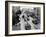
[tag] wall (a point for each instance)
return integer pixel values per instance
(2, 19)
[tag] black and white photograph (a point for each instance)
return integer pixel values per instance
(23, 18)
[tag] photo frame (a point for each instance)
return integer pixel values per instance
(24, 18)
